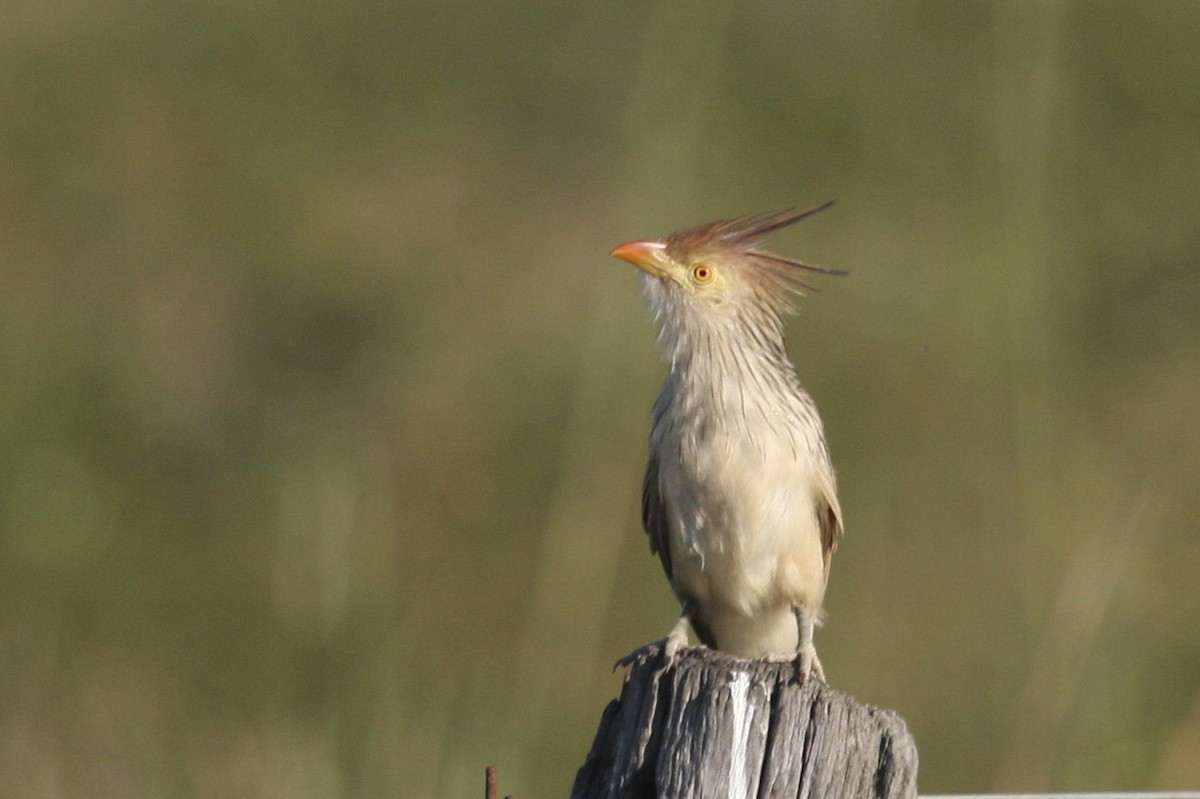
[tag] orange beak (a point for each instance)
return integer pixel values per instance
(646, 255)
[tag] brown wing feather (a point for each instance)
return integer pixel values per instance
(654, 519)
(654, 515)
(829, 516)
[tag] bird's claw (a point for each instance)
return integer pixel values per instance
(644, 652)
(669, 647)
(808, 664)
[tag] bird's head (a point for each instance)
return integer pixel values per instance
(719, 270)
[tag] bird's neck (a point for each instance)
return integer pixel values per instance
(725, 379)
(734, 350)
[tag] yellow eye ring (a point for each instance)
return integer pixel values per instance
(702, 273)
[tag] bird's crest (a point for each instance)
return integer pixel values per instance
(742, 238)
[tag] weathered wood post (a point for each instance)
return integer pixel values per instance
(711, 725)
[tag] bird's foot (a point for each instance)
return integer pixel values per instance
(675, 642)
(808, 664)
(644, 652)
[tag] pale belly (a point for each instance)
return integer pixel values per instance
(746, 544)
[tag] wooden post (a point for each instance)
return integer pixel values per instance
(711, 725)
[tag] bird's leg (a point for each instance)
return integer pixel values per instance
(670, 646)
(806, 654)
(677, 639)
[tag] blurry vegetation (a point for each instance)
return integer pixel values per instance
(323, 407)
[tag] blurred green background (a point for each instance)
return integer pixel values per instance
(324, 407)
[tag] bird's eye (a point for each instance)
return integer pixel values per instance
(702, 273)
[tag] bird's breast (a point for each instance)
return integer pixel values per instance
(742, 527)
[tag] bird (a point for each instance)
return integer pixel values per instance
(739, 498)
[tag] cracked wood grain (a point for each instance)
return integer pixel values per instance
(710, 725)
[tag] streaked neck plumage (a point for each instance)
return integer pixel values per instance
(731, 363)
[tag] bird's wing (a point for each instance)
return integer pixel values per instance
(829, 516)
(654, 514)
(654, 519)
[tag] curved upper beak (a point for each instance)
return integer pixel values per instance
(644, 255)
